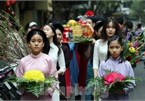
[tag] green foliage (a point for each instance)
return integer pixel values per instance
(100, 86)
(32, 86)
(138, 10)
(81, 39)
(137, 43)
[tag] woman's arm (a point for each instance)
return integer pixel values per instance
(130, 73)
(66, 52)
(61, 63)
(52, 72)
(20, 69)
(95, 59)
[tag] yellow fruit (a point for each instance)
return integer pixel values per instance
(72, 22)
(67, 25)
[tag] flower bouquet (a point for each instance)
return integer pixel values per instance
(109, 83)
(34, 81)
(78, 31)
(132, 49)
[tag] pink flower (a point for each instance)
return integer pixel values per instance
(15, 43)
(112, 77)
(13, 13)
(8, 37)
(3, 57)
(10, 24)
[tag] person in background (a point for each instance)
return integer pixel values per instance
(99, 19)
(91, 20)
(51, 21)
(137, 29)
(120, 21)
(83, 50)
(128, 33)
(110, 28)
(33, 25)
(56, 53)
(115, 62)
(97, 35)
(37, 60)
(27, 28)
(64, 79)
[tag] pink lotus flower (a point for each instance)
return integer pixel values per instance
(112, 77)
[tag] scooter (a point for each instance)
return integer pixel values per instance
(8, 90)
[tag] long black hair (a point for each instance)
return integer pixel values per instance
(116, 26)
(120, 41)
(46, 47)
(55, 40)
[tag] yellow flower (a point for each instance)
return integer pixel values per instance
(132, 49)
(36, 75)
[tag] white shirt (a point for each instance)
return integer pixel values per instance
(53, 52)
(100, 52)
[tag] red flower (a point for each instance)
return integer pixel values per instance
(80, 21)
(137, 60)
(112, 77)
(131, 44)
(89, 13)
(129, 58)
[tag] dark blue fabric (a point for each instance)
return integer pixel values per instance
(74, 70)
(90, 74)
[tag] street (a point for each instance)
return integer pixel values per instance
(138, 93)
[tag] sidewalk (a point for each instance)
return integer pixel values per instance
(139, 93)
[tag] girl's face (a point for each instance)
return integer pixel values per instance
(59, 35)
(98, 33)
(110, 29)
(135, 27)
(115, 49)
(89, 21)
(48, 31)
(36, 44)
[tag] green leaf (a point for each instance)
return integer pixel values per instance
(32, 86)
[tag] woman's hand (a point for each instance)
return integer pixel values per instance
(93, 41)
(60, 72)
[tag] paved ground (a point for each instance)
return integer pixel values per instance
(139, 92)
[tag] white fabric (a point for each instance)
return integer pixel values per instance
(53, 52)
(100, 52)
(57, 58)
(55, 96)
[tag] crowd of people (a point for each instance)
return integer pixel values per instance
(74, 64)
